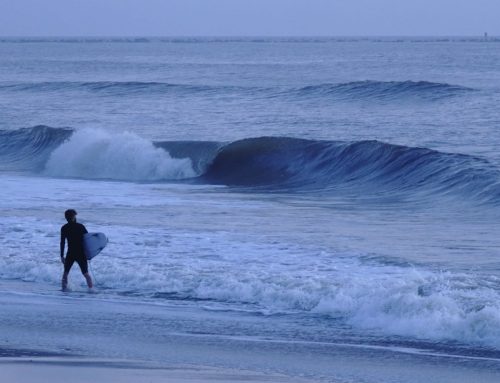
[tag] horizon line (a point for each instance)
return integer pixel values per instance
(243, 36)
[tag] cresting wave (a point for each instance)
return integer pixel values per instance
(89, 154)
(96, 154)
(350, 91)
(363, 169)
(370, 169)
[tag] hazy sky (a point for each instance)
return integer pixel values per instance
(248, 17)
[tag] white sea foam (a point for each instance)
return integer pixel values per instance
(198, 245)
(272, 278)
(97, 154)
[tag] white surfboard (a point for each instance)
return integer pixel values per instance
(93, 243)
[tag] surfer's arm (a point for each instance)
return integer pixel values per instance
(63, 241)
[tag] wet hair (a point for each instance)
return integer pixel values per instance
(69, 214)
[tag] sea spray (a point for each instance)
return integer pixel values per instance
(97, 154)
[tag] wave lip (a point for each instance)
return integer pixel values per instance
(381, 90)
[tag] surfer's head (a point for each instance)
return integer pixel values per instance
(70, 215)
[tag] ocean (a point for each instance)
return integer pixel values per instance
(328, 193)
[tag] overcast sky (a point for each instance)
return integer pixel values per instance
(248, 17)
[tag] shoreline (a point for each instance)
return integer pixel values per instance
(54, 337)
(38, 369)
(21, 365)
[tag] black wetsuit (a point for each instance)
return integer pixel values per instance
(74, 232)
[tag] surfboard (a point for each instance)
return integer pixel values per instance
(93, 243)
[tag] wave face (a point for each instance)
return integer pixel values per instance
(30, 148)
(351, 91)
(381, 90)
(362, 169)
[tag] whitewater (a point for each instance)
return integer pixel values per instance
(330, 198)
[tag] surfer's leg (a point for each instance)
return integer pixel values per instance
(89, 280)
(82, 262)
(68, 262)
(65, 281)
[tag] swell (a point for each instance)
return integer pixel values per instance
(381, 90)
(360, 169)
(349, 91)
(122, 87)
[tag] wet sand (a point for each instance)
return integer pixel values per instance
(60, 369)
(47, 336)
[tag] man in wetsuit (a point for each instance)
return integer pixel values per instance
(73, 232)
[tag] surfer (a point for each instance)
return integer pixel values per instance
(73, 232)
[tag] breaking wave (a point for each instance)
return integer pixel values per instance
(365, 169)
(96, 154)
